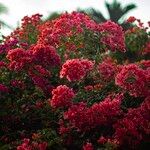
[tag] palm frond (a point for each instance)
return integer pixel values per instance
(128, 8)
(97, 15)
(116, 11)
(2, 23)
(94, 14)
(53, 15)
(3, 9)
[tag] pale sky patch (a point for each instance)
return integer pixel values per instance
(20, 8)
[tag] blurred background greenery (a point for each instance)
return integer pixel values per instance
(3, 10)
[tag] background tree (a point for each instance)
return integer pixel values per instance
(3, 10)
(115, 10)
(53, 15)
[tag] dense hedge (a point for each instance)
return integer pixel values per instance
(71, 84)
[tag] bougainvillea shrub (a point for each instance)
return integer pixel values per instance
(73, 84)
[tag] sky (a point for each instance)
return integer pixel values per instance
(20, 8)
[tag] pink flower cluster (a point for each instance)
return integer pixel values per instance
(7, 45)
(107, 70)
(59, 31)
(18, 84)
(66, 25)
(45, 55)
(62, 97)
(76, 69)
(131, 19)
(19, 59)
(113, 36)
(21, 35)
(41, 82)
(29, 145)
(42, 71)
(37, 55)
(134, 127)
(4, 88)
(2, 64)
(133, 79)
(145, 65)
(28, 27)
(146, 49)
(33, 20)
(88, 146)
(104, 113)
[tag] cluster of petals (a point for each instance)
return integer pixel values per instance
(42, 71)
(88, 146)
(65, 26)
(107, 70)
(131, 19)
(146, 50)
(34, 20)
(70, 25)
(62, 97)
(45, 55)
(19, 59)
(84, 118)
(145, 65)
(21, 35)
(107, 111)
(113, 36)
(42, 82)
(8, 44)
(3, 88)
(2, 64)
(37, 55)
(28, 27)
(18, 84)
(29, 145)
(134, 127)
(78, 117)
(133, 80)
(76, 69)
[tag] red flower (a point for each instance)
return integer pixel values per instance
(65, 26)
(19, 59)
(102, 140)
(76, 69)
(106, 112)
(134, 127)
(83, 118)
(133, 79)
(41, 82)
(88, 146)
(113, 36)
(42, 71)
(87, 64)
(88, 88)
(62, 97)
(18, 84)
(77, 117)
(29, 145)
(16, 54)
(131, 19)
(4, 88)
(2, 64)
(146, 49)
(107, 70)
(45, 56)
